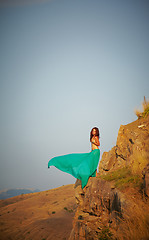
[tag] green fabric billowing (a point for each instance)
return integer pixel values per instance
(79, 165)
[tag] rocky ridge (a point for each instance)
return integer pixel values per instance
(108, 205)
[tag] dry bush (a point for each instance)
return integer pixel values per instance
(145, 109)
(135, 225)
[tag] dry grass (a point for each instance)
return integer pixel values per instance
(135, 225)
(145, 109)
(123, 178)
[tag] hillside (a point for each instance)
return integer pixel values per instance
(43, 215)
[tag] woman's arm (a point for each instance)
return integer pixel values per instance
(95, 140)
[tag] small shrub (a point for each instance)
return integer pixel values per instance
(145, 109)
(105, 234)
(69, 210)
(53, 212)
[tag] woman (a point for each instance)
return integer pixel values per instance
(94, 138)
(80, 165)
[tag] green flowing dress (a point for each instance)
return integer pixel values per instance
(80, 165)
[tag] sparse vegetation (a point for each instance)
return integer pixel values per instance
(69, 210)
(105, 234)
(145, 109)
(123, 177)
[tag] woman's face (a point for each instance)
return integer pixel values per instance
(94, 131)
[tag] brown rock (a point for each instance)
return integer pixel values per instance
(132, 148)
(108, 160)
(102, 206)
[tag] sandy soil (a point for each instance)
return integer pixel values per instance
(44, 215)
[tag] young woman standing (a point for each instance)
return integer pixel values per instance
(80, 165)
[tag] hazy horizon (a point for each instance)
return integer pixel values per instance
(65, 67)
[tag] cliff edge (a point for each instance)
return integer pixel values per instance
(114, 205)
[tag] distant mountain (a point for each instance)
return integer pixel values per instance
(16, 192)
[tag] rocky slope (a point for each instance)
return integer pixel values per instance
(43, 215)
(114, 205)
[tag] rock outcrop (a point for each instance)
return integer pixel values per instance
(100, 205)
(132, 148)
(102, 208)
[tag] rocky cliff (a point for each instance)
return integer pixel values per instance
(114, 205)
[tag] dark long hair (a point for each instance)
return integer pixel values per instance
(96, 134)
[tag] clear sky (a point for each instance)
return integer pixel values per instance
(65, 67)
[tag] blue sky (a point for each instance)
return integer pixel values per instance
(65, 67)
